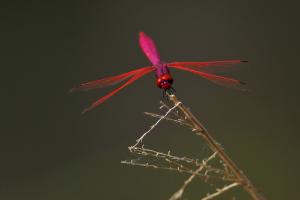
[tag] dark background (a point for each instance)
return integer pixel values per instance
(50, 151)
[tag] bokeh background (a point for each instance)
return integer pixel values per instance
(50, 151)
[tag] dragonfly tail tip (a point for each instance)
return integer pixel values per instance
(242, 82)
(245, 61)
(84, 111)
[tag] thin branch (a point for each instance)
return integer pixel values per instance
(177, 195)
(202, 176)
(150, 152)
(179, 163)
(156, 123)
(226, 170)
(220, 191)
(178, 121)
(215, 147)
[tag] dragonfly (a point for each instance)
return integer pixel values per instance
(164, 80)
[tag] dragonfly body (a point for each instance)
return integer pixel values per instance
(164, 79)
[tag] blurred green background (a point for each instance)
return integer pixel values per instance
(50, 151)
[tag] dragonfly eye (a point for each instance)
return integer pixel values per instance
(167, 78)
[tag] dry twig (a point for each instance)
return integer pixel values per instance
(177, 195)
(228, 171)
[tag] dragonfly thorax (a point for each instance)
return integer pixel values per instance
(165, 81)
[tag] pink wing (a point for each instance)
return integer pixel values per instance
(149, 48)
(106, 81)
(210, 66)
(139, 74)
(220, 80)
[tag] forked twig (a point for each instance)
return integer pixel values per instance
(215, 147)
(179, 164)
(227, 172)
(156, 123)
(220, 191)
(178, 121)
(177, 195)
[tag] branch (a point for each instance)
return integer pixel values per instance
(220, 191)
(156, 123)
(177, 195)
(177, 163)
(215, 147)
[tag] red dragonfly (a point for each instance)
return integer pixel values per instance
(164, 79)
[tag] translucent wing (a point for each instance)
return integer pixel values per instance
(136, 76)
(106, 81)
(220, 80)
(210, 66)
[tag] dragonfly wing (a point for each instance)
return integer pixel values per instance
(210, 66)
(149, 48)
(141, 73)
(220, 80)
(106, 81)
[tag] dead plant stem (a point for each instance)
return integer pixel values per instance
(215, 147)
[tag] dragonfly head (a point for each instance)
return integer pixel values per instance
(165, 81)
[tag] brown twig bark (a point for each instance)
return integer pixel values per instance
(215, 147)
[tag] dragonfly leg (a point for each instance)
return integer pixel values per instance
(170, 91)
(166, 93)
(165, 98)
